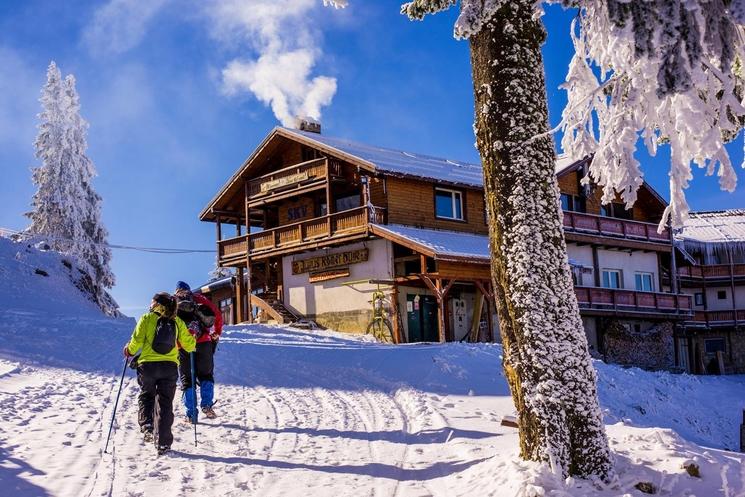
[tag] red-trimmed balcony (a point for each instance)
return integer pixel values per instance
(713, 271)
(718, 318)
(622, 229)
(613, 301)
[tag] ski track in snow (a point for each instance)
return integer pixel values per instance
(313, 415)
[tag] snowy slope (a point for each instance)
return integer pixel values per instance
(324, 414)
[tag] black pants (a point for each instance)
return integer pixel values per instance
(157, 388)
(203, 362)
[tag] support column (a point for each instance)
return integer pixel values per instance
(239, 295)
(394, 312)
(596, 265)
(249, 289)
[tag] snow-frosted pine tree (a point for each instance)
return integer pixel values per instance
(219, 272)
(546, 358)
(66, 209)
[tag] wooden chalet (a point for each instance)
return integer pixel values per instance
(320, 223)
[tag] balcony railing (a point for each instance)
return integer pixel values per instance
(336, 225)
(612, 299)
(714, 271)
(719, 317)
(610, 226)
(293, 176)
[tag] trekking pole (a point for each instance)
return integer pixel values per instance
(116, 402)
(194, 396)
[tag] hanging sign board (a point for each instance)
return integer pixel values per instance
(283, 181)
(331, 274)
(316, 264)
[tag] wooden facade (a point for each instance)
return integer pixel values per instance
(298, 195)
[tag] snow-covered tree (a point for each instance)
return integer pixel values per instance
(66, 210)
(670, 70)
(219, 272)
(667, 71)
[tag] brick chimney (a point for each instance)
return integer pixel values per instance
(308, 124)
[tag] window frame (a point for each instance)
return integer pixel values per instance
(642, 274)
(715, 339)
(461, 195)
(619, 272)
(698, 298)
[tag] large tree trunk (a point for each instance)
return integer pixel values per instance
(546, 359)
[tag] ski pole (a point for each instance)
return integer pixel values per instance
(116, 402)
(194, 397)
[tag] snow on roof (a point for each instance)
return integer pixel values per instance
(411, 164)
(714, 227)
(444, 244)
(404, 163)
(563, 162)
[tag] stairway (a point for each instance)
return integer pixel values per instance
(274, 308)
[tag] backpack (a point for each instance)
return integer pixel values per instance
(164, 340)
(205, 315)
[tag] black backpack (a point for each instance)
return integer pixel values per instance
(164, 340)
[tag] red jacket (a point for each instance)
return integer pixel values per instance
(201, 299)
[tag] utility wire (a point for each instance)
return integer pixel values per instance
(152, 250)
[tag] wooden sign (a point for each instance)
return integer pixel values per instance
(316, 264)
(283, 181)
(331, 274)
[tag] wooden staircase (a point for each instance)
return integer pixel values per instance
(274, 308)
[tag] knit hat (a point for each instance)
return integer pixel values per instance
(182, 286)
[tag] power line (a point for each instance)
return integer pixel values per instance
(152, 250)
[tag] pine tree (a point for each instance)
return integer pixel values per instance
(219, 272)
(66, 209)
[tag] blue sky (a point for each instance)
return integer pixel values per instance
(167, 128)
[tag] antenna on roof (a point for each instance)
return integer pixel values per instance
(307, 124)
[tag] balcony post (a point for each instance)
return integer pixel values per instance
(673, 261)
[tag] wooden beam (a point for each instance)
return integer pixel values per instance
(239, 296)
(397, 336)
(441, 323)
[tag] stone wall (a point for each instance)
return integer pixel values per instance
(734, 355)
(347, 321)
(650, 349)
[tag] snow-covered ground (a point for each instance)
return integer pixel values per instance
(321, 414)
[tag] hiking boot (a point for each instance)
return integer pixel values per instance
(147, 433)
(209, 412)
(188, 420)
(163, 449)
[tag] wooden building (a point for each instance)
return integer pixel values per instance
(320, 223)
(711, 269)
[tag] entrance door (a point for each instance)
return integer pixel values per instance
(421, 314)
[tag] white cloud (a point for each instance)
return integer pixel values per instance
(120, 25)
(286, 49)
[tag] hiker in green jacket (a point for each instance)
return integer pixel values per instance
(158, 335)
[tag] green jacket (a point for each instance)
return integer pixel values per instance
(142, 338)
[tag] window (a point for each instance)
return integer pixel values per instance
(449, 204)
(611, 278)
(714, 345)
(574, 203)
(616, 210)
(722, 295)
(698, 298)
(644, 282)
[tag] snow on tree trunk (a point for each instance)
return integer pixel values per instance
(66, 211)
(546, 357)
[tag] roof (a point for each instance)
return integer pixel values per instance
(440, 244)
(399, 162)
(714, 227)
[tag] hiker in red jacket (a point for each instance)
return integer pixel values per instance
(205, 323)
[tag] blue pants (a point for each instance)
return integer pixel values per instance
(204, 365)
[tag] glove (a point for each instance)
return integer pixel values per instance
(126, 351)
(215, 337)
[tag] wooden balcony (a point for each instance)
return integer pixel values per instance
(718, 318)
(612, 301)
(634, 233)
(293, 180)
(713, 272)
(325, 230)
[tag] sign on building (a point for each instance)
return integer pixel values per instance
(322, 263)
